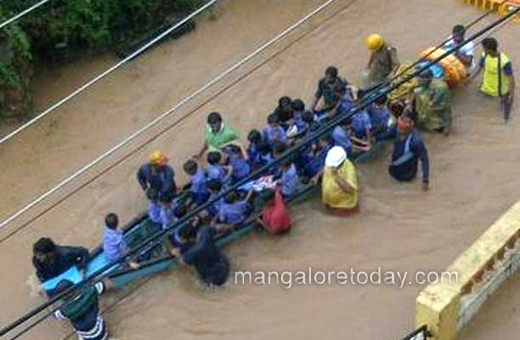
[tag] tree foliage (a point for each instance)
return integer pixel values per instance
(61, 29)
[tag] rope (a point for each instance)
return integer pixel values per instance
(106, 73)
(311, 138)
(164, 115)
(25, 12)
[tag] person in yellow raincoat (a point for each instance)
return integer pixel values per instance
(339, 183)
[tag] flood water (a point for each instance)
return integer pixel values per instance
(400, 228)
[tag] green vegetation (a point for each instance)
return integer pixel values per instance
(63, 29)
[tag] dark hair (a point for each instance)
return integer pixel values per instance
(111, 221)
(152, 194)
(490, 44)
(308, 117)
(264, 148)
(315, 126)
(190, 167)
(214, 157)
(326, 138)
(214, 118)
(188, 232)
(267, 195)
(166, 197)
(284, 101)
(215, 185)
(426, 74)
(298, 105)
(254, 136)
(279, 147)
(231, 197)
(331, 71)
(235, 149)
(381, 100)
(286, 163)
(459, 30)
(273, 119)
(44, 245)
(180, 211)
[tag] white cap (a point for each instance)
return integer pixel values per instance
(336, 156)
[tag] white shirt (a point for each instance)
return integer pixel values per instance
(467, 50)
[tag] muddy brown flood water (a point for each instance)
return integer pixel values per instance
(474, 178)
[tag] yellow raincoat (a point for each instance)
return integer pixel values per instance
(332, 194)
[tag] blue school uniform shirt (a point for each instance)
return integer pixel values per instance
(341, 138)
(114, 244)
(317, 162)
(379, 117)
(273, 170)
(198, 183)
(360, 123)
(154, 211)
(239, 167)
(216, 172)
(233, 213)
(290, 182)
(345, 105)
(214, 208)
(167, 217)
(271, 135)
(253, 155)
(300, 123)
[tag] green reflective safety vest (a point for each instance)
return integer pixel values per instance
(491, 76)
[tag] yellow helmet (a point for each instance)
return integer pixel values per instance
(158, 158)
(375, 42)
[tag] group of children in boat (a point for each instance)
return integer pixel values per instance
(328, 160)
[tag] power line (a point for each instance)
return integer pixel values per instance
(311, 138)
(23, 13)
(171, 126)
(164, 115)
(106, 73)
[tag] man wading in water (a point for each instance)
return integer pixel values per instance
(409, 149)
(498, 79)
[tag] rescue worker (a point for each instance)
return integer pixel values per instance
(211, 264)
(339, 183)
(82, 309)
(51, 260)
(409, 149)
(382, 64)
(217, 134)
(327, 90)
(432, 103)
(157, 174)
(497, 83)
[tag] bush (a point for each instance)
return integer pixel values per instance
(15, 71)
(61, 29)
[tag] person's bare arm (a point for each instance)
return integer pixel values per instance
(512, 85)
(109, 285)
(347, 188)
(474, 75)
(201, 152)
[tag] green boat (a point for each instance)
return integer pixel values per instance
(156, 258)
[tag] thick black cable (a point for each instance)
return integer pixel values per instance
(321, 132)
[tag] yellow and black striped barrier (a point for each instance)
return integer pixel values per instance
(499, 6)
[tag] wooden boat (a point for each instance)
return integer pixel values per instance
(155, 258)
